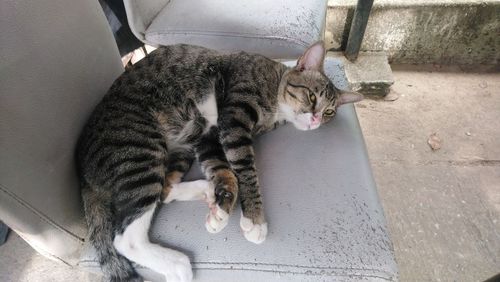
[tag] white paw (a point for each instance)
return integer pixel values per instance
(179, 270)
(217, 219)
(255, 233)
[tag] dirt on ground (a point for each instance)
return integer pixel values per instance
(435, 152)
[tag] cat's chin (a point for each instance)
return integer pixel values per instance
(304, 127)
(303, 122)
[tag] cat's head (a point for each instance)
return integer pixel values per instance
(308, 97)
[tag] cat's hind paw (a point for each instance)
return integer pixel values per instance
(255, 233)
(179, 270)
(191, 191)
(217, 219)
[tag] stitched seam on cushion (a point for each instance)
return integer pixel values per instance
(216, 32)
(229, 34)
(302, 273)
(231, 265)
(288, 265)
(388, 274)
(388, 278)
(41, 215)
(275, 264)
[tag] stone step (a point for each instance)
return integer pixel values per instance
(370, 74)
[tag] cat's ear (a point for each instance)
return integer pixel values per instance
(313, 58)
(347, 97)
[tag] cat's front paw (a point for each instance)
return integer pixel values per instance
(253, 232)
(217, 219)
(179, 269)
(225, 194)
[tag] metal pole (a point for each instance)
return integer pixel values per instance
(4, 231)
(358, 27)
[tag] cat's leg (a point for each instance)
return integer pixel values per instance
(135, 245)
(179, 162)
(225, 184)
(191, 191)
(236, 139)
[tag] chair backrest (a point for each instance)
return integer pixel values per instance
(277, 29)
(57, 59)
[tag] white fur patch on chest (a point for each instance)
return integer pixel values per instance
(208, 109)
(285, 112)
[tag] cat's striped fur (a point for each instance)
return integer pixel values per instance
(180, 103)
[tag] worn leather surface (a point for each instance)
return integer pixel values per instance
(325, 220)
(277, 29)
(58, 59)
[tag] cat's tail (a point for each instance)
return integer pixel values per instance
(116, 267)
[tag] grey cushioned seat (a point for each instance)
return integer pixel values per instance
(325, 221)
(277, 29)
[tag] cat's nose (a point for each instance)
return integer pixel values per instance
(315, 119)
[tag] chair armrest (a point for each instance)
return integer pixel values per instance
(54, 70)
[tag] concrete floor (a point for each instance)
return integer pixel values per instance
(442, 207)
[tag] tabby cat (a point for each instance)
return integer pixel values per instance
(180, 103)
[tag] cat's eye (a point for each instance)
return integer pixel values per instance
(312, 97)
(329, 112)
